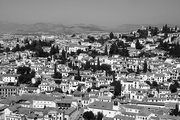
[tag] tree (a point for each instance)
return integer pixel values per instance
(52, 51)
(175, 51)
(79, 88)
(57, 49)
(26, 75)
(78, 74)
(175, 112)
(73, 35)
(58, 75)
(105, 50)
(58, 90)
(113, 49)
(149, 68)
(89, 90)
(114, 78)
(89, 115)
(67, 92)
(149, 83)
(78, 77)
(173, 88)
(165, 30)
(63, 54)
(98, 64)
(124, 52)
(91, 39)
(138, 45)
(120, 44)
(94, 67)
(23, 70)
(154, 84)
(10, 84)
(7, 49)
(33, 73)
(94, 53)
(145, 66)
(106, 67)
(137, 71)
(154, 31)
(111, 35)
(39, 52)
(117, 87)
(55, 69)
(169, 80)
(99, 116)
(57, 81)
(143, 33)
(87, 65)
(79, 51)
(150, 95)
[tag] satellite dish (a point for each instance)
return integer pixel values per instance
(33, 80)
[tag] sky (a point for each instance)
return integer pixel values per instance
(109, 13)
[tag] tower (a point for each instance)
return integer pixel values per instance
(116, 104)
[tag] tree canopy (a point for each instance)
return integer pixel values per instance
(89, 115)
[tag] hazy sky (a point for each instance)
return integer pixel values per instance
(99, 12)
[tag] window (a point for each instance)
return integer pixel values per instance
(115, 103)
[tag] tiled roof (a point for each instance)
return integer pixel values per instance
(101, 105)
(144, 112)
(133, 107)
(123, 117)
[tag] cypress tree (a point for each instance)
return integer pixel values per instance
(145, 66)
(78, 72)
(63, 54)
(98, 64)
(105, 50)
(137, 71)
(94, 68)
(138, 45)
(55, 69)
(176, 110)
(114, 78)
(111, 35)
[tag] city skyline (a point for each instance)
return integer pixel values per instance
(100, 12)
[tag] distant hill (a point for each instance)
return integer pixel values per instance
(131, 27)
(12, 28)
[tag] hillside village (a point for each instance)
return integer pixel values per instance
(95, 76)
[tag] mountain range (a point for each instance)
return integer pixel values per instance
(15, 28)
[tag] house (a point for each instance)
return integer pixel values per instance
(78, 95)
(66, 103)
(168, 117)
(85, 101)
(70, 113)
(160, 77)
(144, 115)
(6, 91)
(132, 108)
(10, 78)
(41, 101)
(25, 90)
(47, 86)
(74, 47)
(121, 117)
(12, 112)
(65, 87)
(107, 108)
(150, 46)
